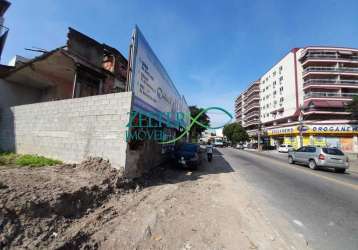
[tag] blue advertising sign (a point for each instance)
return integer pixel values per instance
(153, 90)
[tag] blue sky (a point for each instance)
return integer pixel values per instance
(211, 49)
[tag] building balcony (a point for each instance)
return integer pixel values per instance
(329, 57)
(252, 114)
(253, 99)
(327, 82)
(251, 108)
(252, 122)
(330, 95)
(330, 70)
(238, 100)
(238, 107)
(252, 91)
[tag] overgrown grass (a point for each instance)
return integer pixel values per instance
(7, 158)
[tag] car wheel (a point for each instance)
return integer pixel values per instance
(340, 170)
(312, 164)
(290, 160)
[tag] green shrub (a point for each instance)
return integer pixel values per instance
(35, 161)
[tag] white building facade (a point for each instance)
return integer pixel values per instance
(303, 98)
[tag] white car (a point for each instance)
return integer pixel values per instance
(284, 148)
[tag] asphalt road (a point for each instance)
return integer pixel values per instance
(321, 206)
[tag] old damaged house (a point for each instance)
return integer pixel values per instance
(70, 103)
(82, 68)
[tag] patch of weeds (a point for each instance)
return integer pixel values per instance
(7, 158)
(35, 161)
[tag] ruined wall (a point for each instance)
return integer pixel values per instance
(69, 130)
(144, 158)
(15, 94)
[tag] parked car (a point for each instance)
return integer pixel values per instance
(284, 148)
(252, 146)
(188, 155)
(240, 146)
(320, 157)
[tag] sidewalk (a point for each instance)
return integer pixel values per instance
(353, 164)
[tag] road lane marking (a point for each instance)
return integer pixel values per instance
(298, 223)
(353, 186)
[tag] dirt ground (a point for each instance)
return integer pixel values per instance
(91, 206)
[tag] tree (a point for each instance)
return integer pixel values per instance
(203, 119)
(353, 107)
(235, 133)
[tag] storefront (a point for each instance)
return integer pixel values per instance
(342, 136)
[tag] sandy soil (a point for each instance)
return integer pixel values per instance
(91, 206)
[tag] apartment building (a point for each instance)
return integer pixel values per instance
(303, 98)
(238, 109)
(247, 108)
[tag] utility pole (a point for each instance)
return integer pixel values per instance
(259, 137)
(300, 119)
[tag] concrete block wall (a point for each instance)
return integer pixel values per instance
(69, 130)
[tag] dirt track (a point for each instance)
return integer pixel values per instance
(90, 207)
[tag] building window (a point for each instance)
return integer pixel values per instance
(281, 78)
(281, 89)
(274, 93)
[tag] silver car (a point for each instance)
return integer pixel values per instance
(319, 157)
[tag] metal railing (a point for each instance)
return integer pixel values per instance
(251, 107)
(330, 56)
(252, 114)
(330, 69)
(329, 82)
(252, 122)
(254, 98)
(251, 91)
(330, 95)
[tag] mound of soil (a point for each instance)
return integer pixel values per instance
(38, 204)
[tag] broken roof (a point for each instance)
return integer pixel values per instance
(60, 64)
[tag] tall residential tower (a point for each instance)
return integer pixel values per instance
(303, 99)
